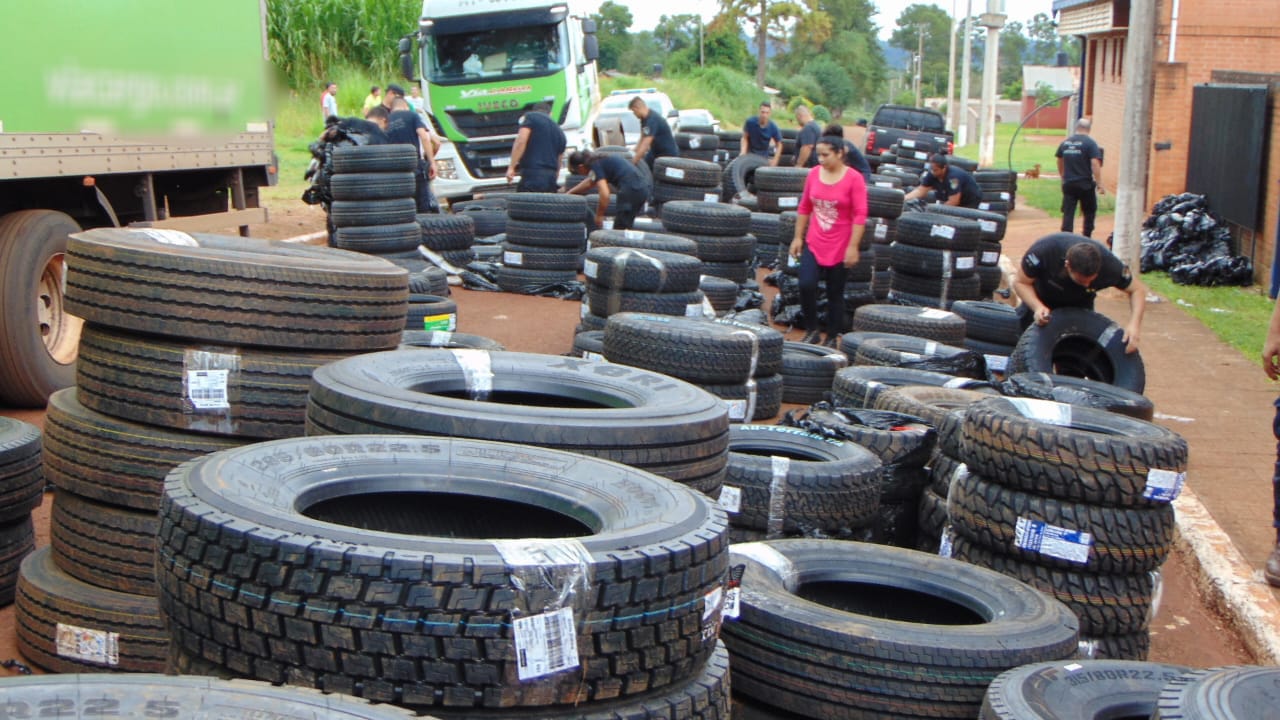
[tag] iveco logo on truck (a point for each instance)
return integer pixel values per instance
(485, 92)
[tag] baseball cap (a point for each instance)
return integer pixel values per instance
(396, 89)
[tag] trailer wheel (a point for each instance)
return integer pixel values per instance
(38, 339)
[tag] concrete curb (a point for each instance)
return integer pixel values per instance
(1230, 585)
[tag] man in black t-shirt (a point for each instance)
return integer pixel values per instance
(406, 127)
(656, 139)
(604, 170)
(950, 185)
(537, 150)
(1065, 270)
(1080, 166)
(807, 140)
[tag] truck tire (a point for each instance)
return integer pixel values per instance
(738, 272)
(374, 158)
(378, 238)
(990, 321)
(930, 324)
(546, 233)
(448, 341)
(724, 248)
(755, 400)
(642, 240)
(1134, 647)
(372, 186)
(739, 175)
(644, 270)
(431, 313)
(360, 213)
(611, 301)
(527, 282)
(685, 172)
(104, 545)
(694, 350)
(941, 232)
(941, 407)
(807, 640)
(38, 337)
(17, 540)
(442, 232)
(403, 528)
(808, 371)
(992, 225)
(239, 291)
(883, 202)
(1083, 690)
(722, 293)
(907, 289)
(931, 262)
(534, 257)
(429, 281)
(1224, 692)
(628, 415)
(546, 207)
(64, 625)
(1081, 392)
(1082, 343)
(922, 354)
(701, 218)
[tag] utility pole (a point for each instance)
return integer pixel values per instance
(993, 19)
(702, 53)
(963, 137)
(919, 65)
(1135, 146)
(951, 72)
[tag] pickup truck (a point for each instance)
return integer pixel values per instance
(920, 129)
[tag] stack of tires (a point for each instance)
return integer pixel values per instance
(913, 154)
(624, 279)
(488, 216)
(783, 481)
(928, 323)
(849, 630)
(22, 489)
(884, 206)
(987, 252)
(779, 188)
(771, 246)
(808, 371)
(909, 177)
(737, 362)
(933, 260)
(698, 142)
(373, 207)
(721, 232)
(1074, 501)
(999, 190)
(452, 236)
(990, 328)
(789, 138)
(730, 144)
(676, 178)
(374, 571)
(545, 239)
(645, 242)
(192, 344)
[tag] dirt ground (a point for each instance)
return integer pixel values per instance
(1224, 466)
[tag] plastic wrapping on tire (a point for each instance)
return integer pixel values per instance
(562, 566)
(477, 371)
(209, 382)
(781, 466)
(837, 421)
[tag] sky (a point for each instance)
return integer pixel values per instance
(646, 13)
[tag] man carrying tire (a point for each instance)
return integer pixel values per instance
(1065, 270)
(656, 139)
(950, 185)
(758, 133)
(537, 150)
(1080, 166)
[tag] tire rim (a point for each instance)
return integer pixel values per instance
(59, 330)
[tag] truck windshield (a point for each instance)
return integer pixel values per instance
(496, 54)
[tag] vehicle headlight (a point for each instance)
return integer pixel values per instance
(446, 170)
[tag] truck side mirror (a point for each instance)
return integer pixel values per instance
(591, 48)
(406, 57)
(588, 26)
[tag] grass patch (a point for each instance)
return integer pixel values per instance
(731, 96)
(1237, 315)
(1046, 194)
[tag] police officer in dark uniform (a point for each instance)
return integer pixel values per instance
(1080, 166)
(950, 185)
(604, 170)
(1065, 270)
(852, 156)
(537, 150)
(656, 139)
(404, 126)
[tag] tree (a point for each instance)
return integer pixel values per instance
(1013, 47)
(722, 45)
(677, 31)
(835, 88)
(769, 18)
(612, 25)
(934, 25)
(852, 44)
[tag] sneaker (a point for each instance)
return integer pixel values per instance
(1272, 569)
(832, 341)
(813, 337)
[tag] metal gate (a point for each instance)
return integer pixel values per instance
(1228, 145)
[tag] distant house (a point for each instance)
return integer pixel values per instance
(1060, 81)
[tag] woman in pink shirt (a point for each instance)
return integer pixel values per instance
(830, 221)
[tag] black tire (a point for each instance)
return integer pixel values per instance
(942, 232)
(781, 180)
(589, 344)
(828, 486)
(448, 341)
(701, 138)
(611, 301)
(989, 280)
(739, 175)
(442, 232)
(458, 258)
(1122, 541)
(932, 520)
(49, 598)
(379, 238)
(591, 321)
(1224, 692)
(990, 350)
(774, 202)
(965, 164)
(930, 324)
(882, 232)
(22, 479)
(720, 292)
(534, 257)
(756, 400)
(804, 641)
(686, 172)
(546, 207)
(933, 291)
(372, 186)
(769, 345)
(487, 220)
(547, 234)
(643, 270)
(359, 213)
(638, 538)
(941, 407)
(694, 350)
(431, 313)
(104, 545)
(1135, 647)
(922, 354)
(38, 335)
(17, 540)
(988, 254)
(1074, 453)
(235, 290)
(885, 181)
(1105, 604)
(808, 372)
(527, 282)
(991, 321)
(992, 225)
(643, 241)
(1081, 392)
(374, 158)
(703, 218)
(884, 202)
(1081, 691)
(633, 416)
(767, 229)
(115, 461)
(859, 386)
(724, 249)
(664, 193)
(931, 262)
(1081, 343)
(900, 441)
(429, 281)
(738, 272)
(148, 379)
(995, 206)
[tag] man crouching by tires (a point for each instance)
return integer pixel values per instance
(1065, 270)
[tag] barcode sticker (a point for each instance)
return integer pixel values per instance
(964, 262)
(545, 644)
(712, 612)
(693, 310)
(788, 202)
(1163, 485)
(1045, 411)
(990, 258)
(988, 226)
(676, 173)
(207, 389)
(998, 363)
(931, 348)
(512, 258)
(882, 231)
(590, 268)
(633, 234)
(1058, 542)
(732, 603)
(943, 231)
(96, 646)
(447, 322)
(730, 498)
(710, 197)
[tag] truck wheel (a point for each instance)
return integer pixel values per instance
(38, 339)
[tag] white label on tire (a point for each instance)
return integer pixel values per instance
(931, 348)
(512, 258)
(710, 197)
(96, 646)
(944, 545)
(934, 314)
(884, 184)
(990, 257)
(907, 143)
(943, 231)
(882, 231)
(920, 155)
(439, 339)
(585, 310)
(1045, 411)
(169, 237)
(1058, 542)
(207, 389)
(633, 234)
(730, 498)
(910, 357)
(964, 262)
(545, 643)
(999, 363)
(588, 355)
(737, 410)
(766, 556)
(695, 310)
(590, 268)
(732, 603)
(988, 226)
(959, 382)
(676, 173)
(695, 142)
(984, 206)
(1108, 335)
(1004, 196)
(608, 224)
(1164, 485)
(788, 202)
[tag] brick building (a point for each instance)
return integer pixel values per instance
(1210, 41)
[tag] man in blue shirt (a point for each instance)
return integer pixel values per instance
(951, 185)
(853, 157)
(536, 151)
(758, 132)
(807, 140)
(656, 139)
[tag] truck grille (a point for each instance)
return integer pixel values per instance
(473, 124)
(478, 157)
